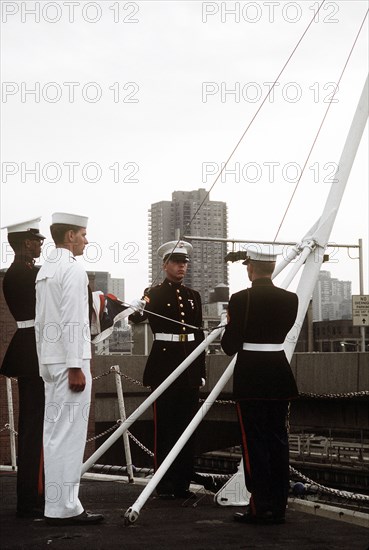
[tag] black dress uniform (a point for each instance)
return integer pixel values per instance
(21, 361)
(263, 384)
(174, 409)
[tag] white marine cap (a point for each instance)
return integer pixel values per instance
(69, 219)
(261, 252)
(175, 251)
(28, 227)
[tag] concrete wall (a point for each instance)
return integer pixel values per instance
(316, 373)
(331, 372)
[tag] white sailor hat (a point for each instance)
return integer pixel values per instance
(69, 219)
(176, 251)
(28, 228)
(261, 252)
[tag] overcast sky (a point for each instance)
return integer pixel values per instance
(133, 100)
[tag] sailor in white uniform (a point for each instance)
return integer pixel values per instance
(64, 352)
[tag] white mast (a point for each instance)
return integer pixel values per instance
(316, 240)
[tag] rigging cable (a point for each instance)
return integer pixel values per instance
(225, 164)
(320, 127)
(255, 115)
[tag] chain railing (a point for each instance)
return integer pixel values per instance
(322, 488)
(329, 490)
(139, 444)
(302, 395)
(347, 395)
(108, 431)
(10, 430)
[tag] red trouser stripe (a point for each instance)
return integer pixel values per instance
(245, 453)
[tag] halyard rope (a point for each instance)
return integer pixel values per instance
(320, 127)
(225, 164)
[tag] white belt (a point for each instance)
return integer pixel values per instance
(26, 324)
(174, 337)
(262, 347)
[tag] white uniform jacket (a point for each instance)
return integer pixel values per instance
(62, 323)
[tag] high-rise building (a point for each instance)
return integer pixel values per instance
(331, 298)
(108, 284)
(191, 213)
(116, 287)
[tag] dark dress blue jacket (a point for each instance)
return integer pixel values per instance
(19, 291)
(180, 303)
(271, 314)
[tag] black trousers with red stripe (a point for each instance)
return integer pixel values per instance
(173, 411)
(30, 489)
(264, 435)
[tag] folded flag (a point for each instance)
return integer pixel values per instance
(107, 310)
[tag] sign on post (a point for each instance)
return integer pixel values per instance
(360, 310)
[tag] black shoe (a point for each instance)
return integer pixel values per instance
(262, 519)
(185, 493)
(31, 513)
(82, 519)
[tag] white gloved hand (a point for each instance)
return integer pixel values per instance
(138, 305)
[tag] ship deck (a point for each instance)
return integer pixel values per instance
(162, 524)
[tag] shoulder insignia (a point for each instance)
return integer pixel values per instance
(148, 291)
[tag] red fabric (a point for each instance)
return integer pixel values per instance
(245, 454)
(112, 297)
(102, 305)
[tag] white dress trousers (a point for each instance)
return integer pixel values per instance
(65, 432)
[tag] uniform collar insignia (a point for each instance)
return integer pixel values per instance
(171, 283)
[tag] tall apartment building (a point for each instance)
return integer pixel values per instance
(108, 284)
(331, 298)
(116, 287)
(207, 267)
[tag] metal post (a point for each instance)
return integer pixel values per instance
(150, 400)
(132, 513)
(361, 280)
(9, 393)
(122, 412)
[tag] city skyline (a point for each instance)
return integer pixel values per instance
(331, 298)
